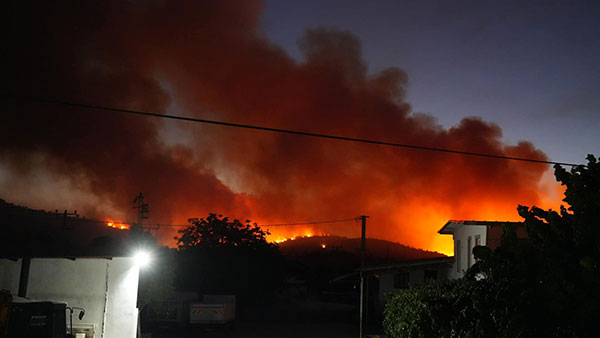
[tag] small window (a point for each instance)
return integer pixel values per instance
(469, 251)
(401, 280)
(477, 240)
(431, 275)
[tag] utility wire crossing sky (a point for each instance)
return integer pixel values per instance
(287, 131)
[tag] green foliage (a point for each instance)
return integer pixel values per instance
(442, 308)
(547, 285)
(422, 311)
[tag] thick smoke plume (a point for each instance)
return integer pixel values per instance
(208, 59)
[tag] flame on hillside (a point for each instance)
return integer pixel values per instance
(283, 236)
(117, 225)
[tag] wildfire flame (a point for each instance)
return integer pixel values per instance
(283, 236)
(117, 225)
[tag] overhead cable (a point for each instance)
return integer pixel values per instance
(287, 131)
(308, 223)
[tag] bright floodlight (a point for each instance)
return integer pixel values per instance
(142, 258)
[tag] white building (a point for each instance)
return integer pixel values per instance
(468, 234)
(106, 287)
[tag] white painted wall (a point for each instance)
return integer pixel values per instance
(121, 311)
(462, 234)
(105, 288)
(76, 282)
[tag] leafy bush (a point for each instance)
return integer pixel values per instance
(547, 285)
(435, 309)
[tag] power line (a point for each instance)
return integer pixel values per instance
(260, 225)
(172, 225)
(160, 225)
(130, 223)
(287, 131)
(308, 223)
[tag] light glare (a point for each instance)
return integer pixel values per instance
(142, 258)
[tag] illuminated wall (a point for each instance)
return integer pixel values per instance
(465, 239)
(105, 288)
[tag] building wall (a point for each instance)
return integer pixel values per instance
(121, 312)
(461, 247)
(105, 288)
(416, 276)
(9, 275)
(78, 283)
(386, 285)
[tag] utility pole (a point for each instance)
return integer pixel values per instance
(24, 276)
(66, 215)
(363, 251)
(142, 212)
(363, 240)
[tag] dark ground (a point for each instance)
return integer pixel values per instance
(307, 318)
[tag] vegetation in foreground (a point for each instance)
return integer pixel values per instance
(547, 285)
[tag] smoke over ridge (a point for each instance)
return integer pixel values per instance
(208, 59)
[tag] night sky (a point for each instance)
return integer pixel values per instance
(532, 67)
(503, 78)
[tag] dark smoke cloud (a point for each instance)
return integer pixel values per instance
(215, 63)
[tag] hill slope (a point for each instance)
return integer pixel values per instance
(378, 250)
(25, 231)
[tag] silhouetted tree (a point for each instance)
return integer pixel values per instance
(217, 231)
(217, 255)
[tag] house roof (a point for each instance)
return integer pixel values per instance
(416, 263)
(409, 264)
(452, 225)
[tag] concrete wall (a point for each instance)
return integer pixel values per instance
(106, 289)
(386, 285)
(121, 312)
(461, 256)
(9, 275)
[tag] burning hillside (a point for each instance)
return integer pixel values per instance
(117, 225)
(378, 251)
(208, 59)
